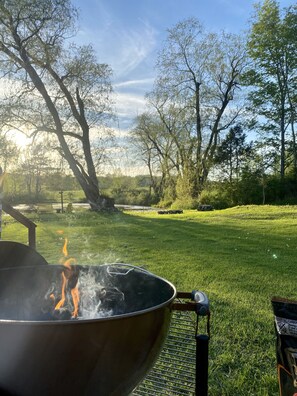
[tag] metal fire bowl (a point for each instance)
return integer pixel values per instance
(105, 356)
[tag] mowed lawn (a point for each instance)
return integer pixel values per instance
(240, 257)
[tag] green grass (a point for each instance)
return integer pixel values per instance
(240, 257)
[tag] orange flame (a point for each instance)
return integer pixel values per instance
(64, 250)
(63, 297)
(66, 276)
(75, 299)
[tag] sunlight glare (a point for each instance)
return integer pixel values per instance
(21, 140)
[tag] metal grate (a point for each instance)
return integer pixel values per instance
(174, 371)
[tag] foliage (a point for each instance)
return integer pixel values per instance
(281, 191)
(186, 202)
(192, 125)
(190, 105)
(56, 90)
(216, 195)
(9, 151)
(272, 46)
(233, 154)
(239, 257)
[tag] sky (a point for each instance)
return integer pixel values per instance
(128, 34)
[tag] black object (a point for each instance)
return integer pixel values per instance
(15, 254)
(103, 356)
(205, 208)
(43, 354)
(182, 366)
(202, 341)
(285, 315)
(171, 211)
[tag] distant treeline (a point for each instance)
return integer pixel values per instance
(34, 188)
(251, 188)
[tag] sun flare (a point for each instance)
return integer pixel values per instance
(21, 140)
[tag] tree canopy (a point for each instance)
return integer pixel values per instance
(198, 80)
(272, 46)
(56, 87)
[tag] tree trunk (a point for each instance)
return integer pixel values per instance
(88, 183)
(283, 148)
(86, 177)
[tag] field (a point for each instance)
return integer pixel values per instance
(240, 257)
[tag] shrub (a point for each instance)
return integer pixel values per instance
(165, 203)
(185, 203)
(216, 197)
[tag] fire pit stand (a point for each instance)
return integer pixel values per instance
(182, 366)
(39, 354)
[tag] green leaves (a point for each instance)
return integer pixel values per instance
(272, 46)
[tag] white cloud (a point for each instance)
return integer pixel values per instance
(133, 47)
(130, 105)
(133, 83)
(124, 49)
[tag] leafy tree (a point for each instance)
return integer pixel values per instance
(58, 90)
(272, 46)
(8, 152)
(198, 80)
(34, 166)
(233, 153)
(155, 146)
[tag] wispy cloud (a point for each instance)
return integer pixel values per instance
(133, 83)
(122, 47)
(133, 47)
(127, 107)
(128, 104)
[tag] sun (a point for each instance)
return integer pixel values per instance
(20, 139)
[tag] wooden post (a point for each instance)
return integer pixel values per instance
(62, 201)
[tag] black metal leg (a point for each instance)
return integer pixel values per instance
(202, 341)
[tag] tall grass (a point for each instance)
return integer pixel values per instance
(240, 257)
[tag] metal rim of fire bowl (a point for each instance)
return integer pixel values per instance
(78, 322)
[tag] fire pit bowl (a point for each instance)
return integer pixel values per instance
(123, 318)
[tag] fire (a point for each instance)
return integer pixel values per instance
(69, 278)
(64, 250)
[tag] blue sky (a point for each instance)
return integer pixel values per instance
(127, 34)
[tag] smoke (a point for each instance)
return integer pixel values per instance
(97, 300)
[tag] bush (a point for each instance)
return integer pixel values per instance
(216, 197)
(165, 203)
(185, 203)
(132, 197)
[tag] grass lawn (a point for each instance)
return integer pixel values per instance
(240, 257)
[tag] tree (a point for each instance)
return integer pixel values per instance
(34, 165)
(8, 152)
(61, 91)
(272, 46)
(233, 153)
(194, 97)
(156, 150)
